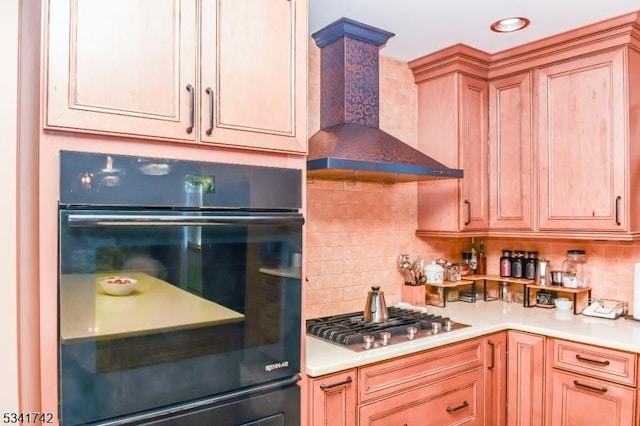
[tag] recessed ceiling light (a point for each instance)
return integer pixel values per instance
(509, 25)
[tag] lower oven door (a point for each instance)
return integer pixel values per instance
(215, 308)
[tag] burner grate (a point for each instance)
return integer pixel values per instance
(349, 329)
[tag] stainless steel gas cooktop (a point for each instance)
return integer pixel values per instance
(351, 331)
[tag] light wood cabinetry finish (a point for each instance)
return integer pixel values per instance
(452, 128)
(446, 385)
(453, 401)
(582, 139)
(511, 155)
(333, 399)
(590, 385)
(564, 142)
(226, 72)
(495, 365)
(525, 379)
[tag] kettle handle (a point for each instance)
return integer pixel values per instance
(374, 298)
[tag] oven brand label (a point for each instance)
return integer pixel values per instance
(277, 365)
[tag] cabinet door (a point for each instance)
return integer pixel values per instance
(581, 140)
(495, 368)
(525, 379)
(253, 73)
(580, 400)
(121, 66)
(452, 128)
(474, 147)
(333, 399)
(454, 401)
(511, 173)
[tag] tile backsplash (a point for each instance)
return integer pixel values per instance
(355, 231)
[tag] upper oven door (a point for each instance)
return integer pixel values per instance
(216, 307)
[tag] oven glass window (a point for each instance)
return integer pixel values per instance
(166, 307)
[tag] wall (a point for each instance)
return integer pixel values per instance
(356, 231)
(8, 187)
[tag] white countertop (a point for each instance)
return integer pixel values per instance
(484, 317)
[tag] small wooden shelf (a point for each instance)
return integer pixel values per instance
(497, 278)
(555, 289)
(446, 286)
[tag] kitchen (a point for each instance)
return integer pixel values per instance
(344, 256)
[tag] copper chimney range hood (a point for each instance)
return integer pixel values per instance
(350, 145)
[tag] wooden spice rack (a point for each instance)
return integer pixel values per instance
(529, 290)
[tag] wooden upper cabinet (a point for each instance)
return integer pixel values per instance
(511, 174)
(119, 66)
(452, 128)
(582, 143)
(226, 72)
(253, 73)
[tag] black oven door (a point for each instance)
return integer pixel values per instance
(214, 307)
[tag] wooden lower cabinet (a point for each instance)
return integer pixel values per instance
(452, 401)
(525, 379)
(580, 400)
(442, 386)
(333, 399)
(495, 385)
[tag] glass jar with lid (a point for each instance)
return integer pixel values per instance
(573, 269)
(517, 264)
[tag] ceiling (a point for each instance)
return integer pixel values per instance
(425, 26)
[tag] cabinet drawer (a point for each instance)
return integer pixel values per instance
(578, 400)
(401, 374)
(453, 401)
(603, 363)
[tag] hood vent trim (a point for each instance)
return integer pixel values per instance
(350, 145)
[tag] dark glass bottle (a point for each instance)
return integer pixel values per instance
(517, 264)
(505, 263)
(482, 260)
(530, 265)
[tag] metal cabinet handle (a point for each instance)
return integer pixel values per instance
(468, 221)
(464, 404)
(593, 361)
(618, 198)
(335, 385)
(591, 388)
(210, 93)
(493, 355)
(192, 100)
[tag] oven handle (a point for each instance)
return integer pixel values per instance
(94, 220)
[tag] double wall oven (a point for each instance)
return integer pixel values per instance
(211, 332)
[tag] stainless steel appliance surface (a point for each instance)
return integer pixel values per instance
(210, 331)
(353, 332)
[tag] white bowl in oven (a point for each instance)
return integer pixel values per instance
(120, 285)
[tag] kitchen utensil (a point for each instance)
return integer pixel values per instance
(543, 277)
(556, 277)
(375, 310)
(563, 303)
(118, 285)
(545, 299)
(434, 273)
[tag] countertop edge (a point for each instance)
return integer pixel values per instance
(327, 358)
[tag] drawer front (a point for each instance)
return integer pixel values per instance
(386, 378)
(603, 363)
(582, 401)
(456, 400)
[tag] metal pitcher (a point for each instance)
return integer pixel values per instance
(375, 310)
(543, 276)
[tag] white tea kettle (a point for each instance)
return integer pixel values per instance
(375, 310)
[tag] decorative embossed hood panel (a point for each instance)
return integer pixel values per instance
(349, 144)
